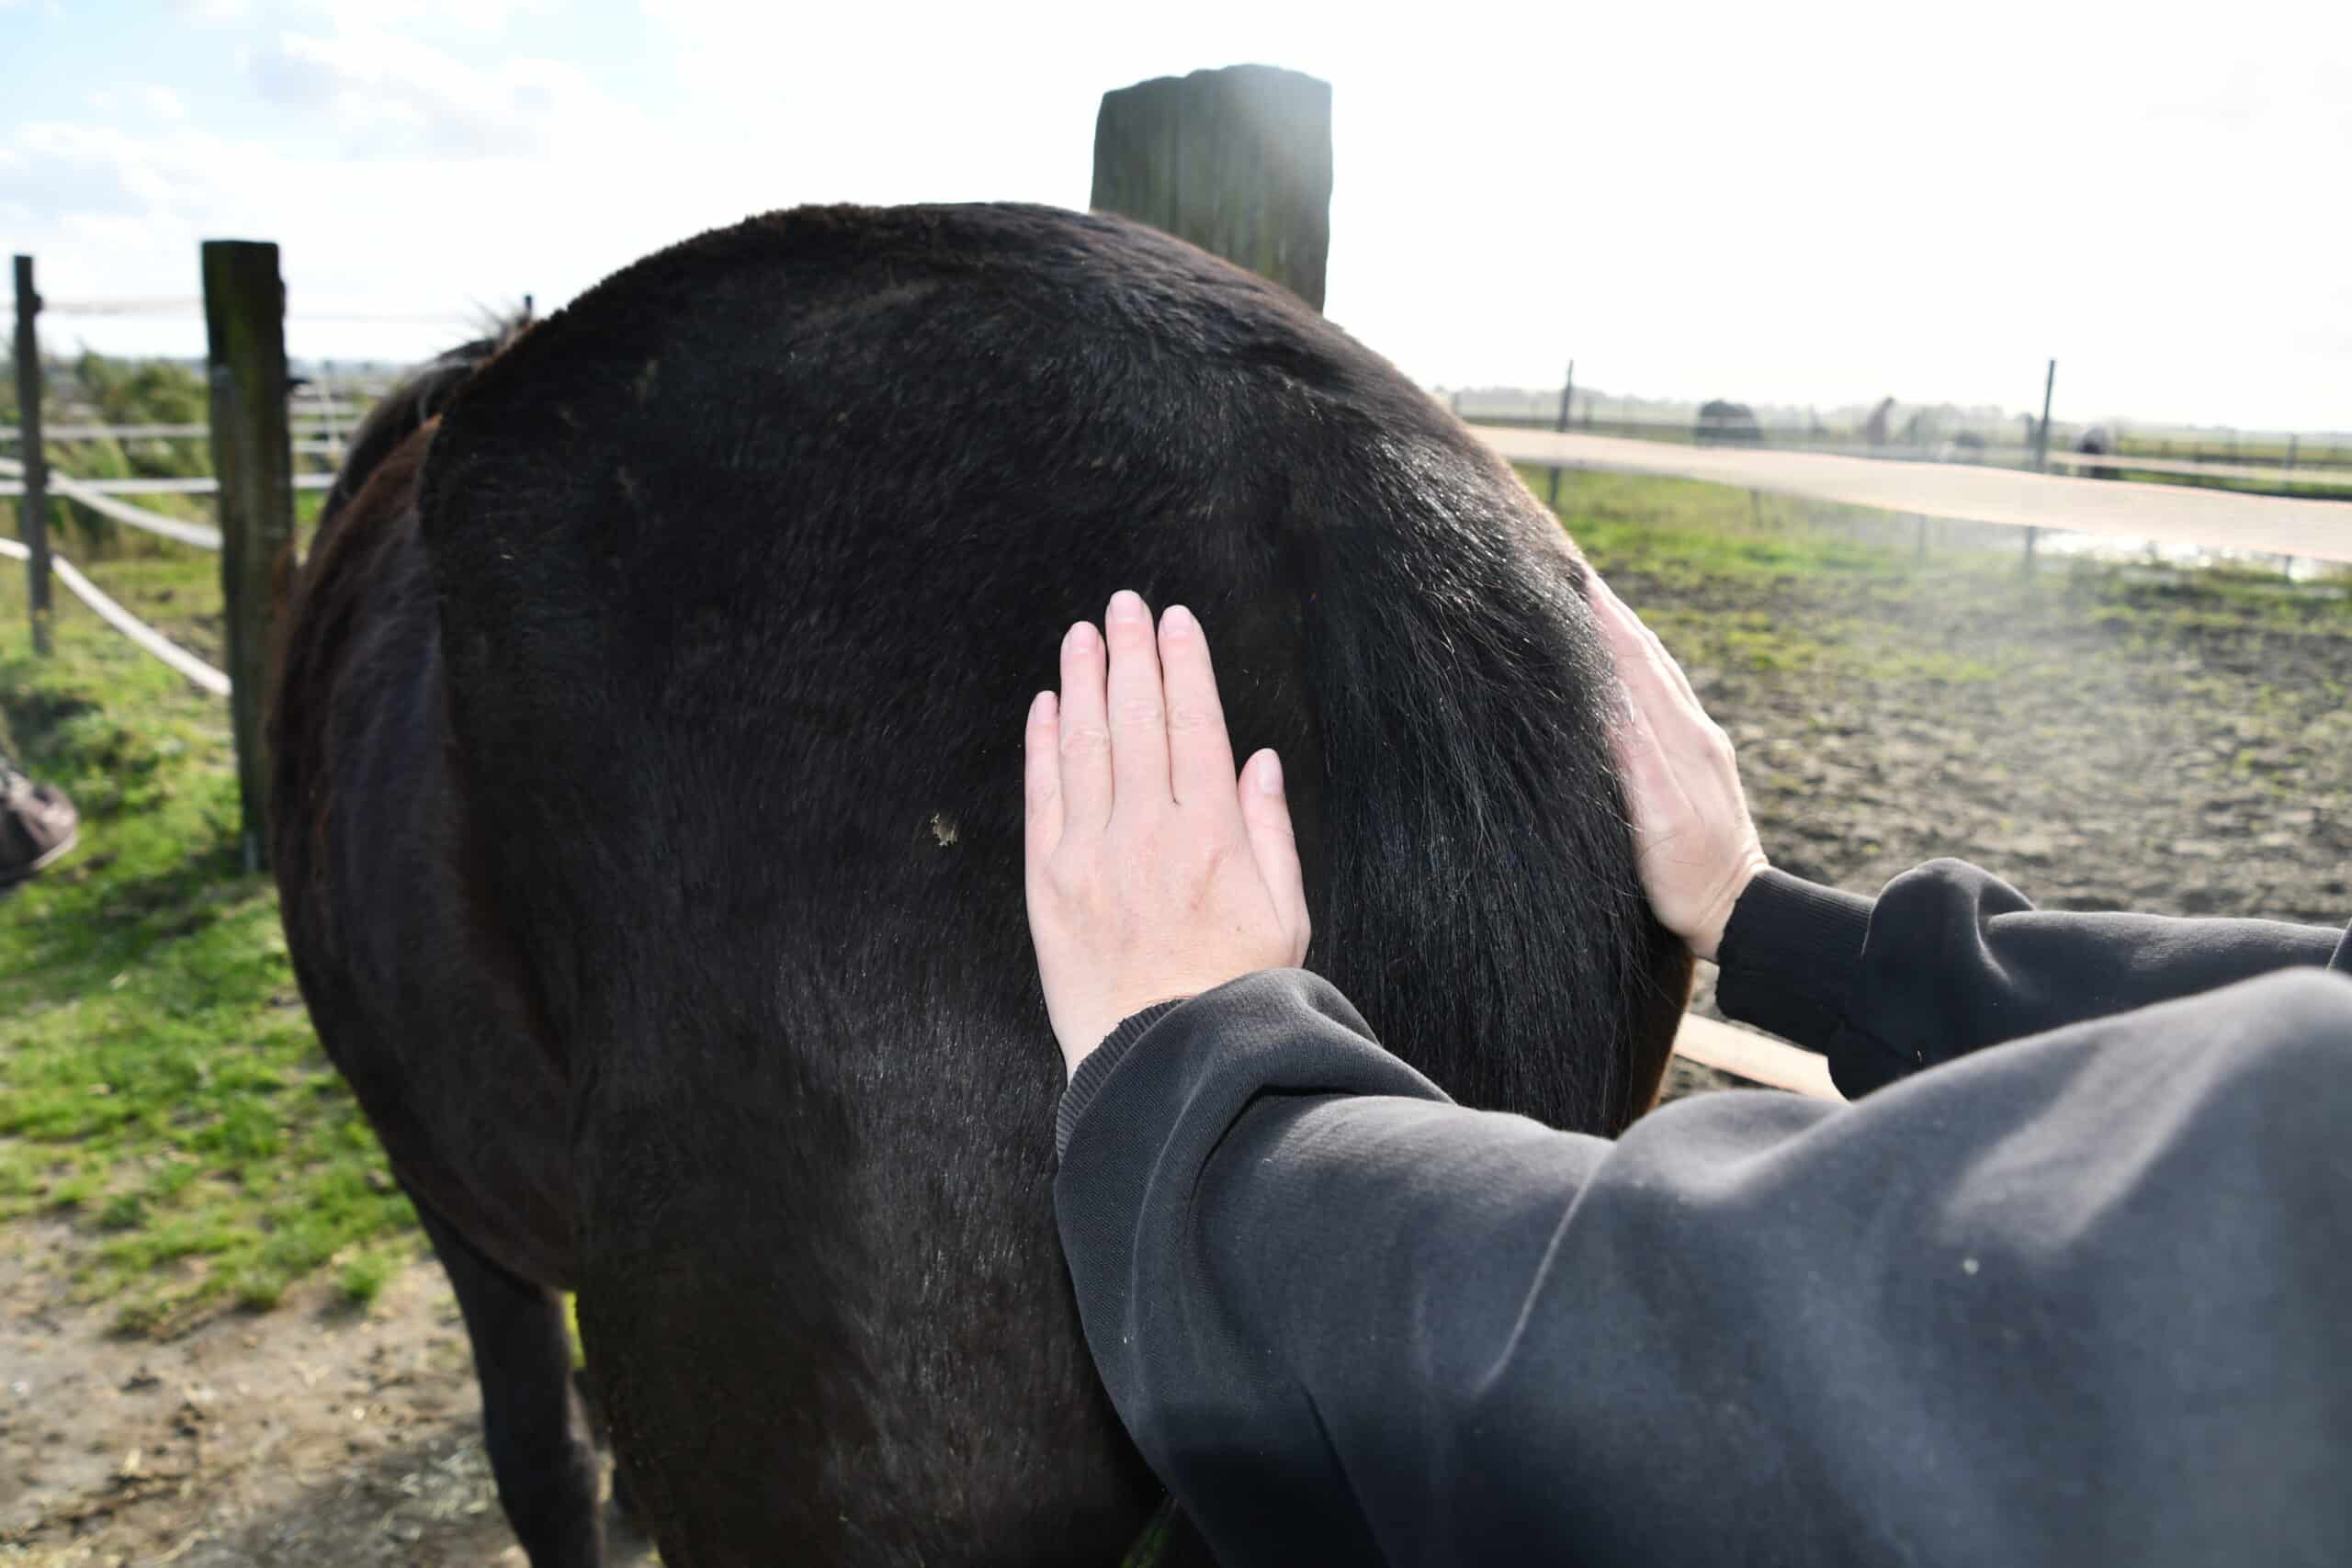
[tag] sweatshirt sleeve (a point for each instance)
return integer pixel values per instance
(1948, 959)
(1348, 1321)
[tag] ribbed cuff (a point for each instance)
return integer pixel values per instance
(1087, 1082)
(1789, 957)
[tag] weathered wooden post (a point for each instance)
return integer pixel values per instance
(32, 509)
(1568, 396)
(1236, 160)
(252, 454)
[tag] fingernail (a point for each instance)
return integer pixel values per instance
(1041, 707)
(1178, 620)
(1080, 638)
(1126, 605)
(1270, 775)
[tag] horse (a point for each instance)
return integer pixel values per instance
(645, 809)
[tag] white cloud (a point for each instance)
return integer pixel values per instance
(388, 95)
(1821, 205)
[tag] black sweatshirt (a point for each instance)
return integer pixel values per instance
(2085, 1297)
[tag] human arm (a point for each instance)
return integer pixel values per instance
(2065, 1302)
(1948, 959)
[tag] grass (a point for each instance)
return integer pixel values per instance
(1732, 579)
(162, 1094)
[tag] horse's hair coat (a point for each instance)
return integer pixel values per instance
(711, 620)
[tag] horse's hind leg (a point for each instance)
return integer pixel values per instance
(546, 1471)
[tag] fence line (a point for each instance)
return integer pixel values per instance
(123, 621)
(193, 305)
(193, 484)
(311, 424)
(2300, 474)
(197, 533)
(2210, 519)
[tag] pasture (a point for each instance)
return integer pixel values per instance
(225, 1342)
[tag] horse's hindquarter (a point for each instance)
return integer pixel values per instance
(748, 565)
(416, 989)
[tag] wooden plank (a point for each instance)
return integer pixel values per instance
(1236, 160)
(33, 509)
(2179, 514)
(253, 453)
(1759, 1058)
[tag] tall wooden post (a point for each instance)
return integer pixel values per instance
(33, 508)
(1568, 396)
(252, 454)
(1236, 160)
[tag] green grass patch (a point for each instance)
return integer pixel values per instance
(161, 1090)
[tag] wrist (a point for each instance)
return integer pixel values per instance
(1124, 1023)
(1706, 937)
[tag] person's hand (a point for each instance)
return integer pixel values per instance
(1153, 874)
(1695, 846)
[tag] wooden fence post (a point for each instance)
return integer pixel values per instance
(32, 509)
(1236, 160)
(244, 320)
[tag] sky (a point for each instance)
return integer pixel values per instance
(1778, 204)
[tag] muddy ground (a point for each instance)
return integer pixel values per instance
(314, 1436)
(2105, 743)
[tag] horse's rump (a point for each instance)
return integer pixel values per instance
(746, 565)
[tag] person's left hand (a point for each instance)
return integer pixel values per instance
(1152, 874)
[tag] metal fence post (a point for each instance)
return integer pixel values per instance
(32, 509)
(1567, 396)
(244, 319)
(2042, 431)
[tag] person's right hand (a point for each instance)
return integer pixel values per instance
(1695, 846)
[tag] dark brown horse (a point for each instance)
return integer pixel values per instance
(647, 817)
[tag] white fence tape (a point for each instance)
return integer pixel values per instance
(199, 484)
(202, 536)
(129, 625)
(98, 496)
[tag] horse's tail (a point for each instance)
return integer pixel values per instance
(411, 406)
(1482, 903)
(322, 600)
